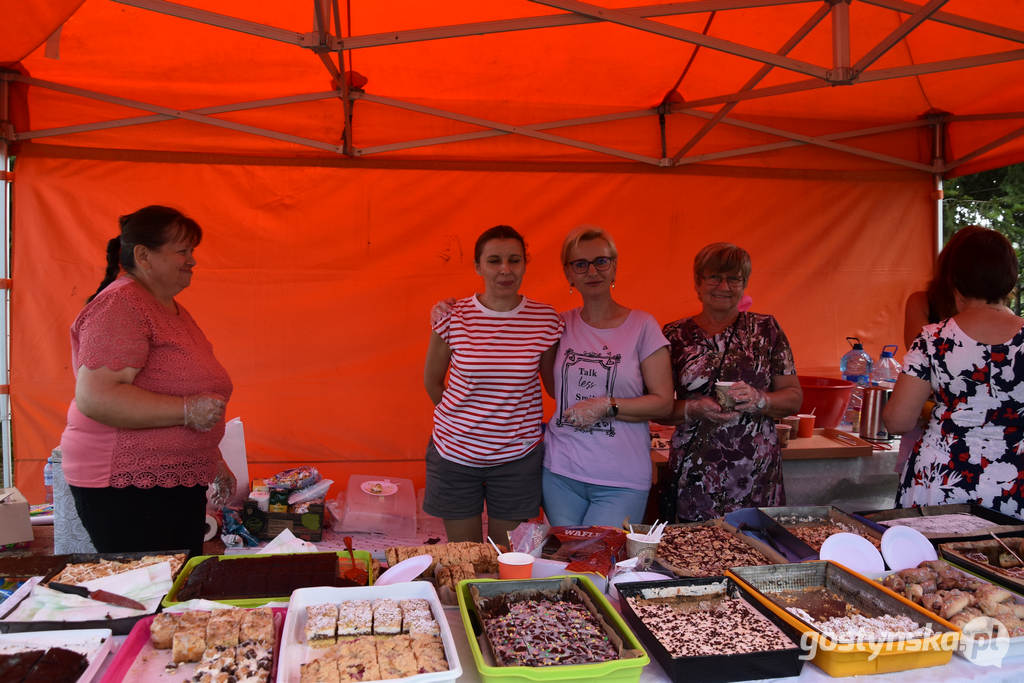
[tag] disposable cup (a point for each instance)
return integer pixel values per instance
(794, 425)
(515, 566)
(783, 432)
(806, 424)
(722, 394)
(640, 544)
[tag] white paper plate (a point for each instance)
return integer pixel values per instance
(904, 548)
(379, 487)
(853, 552)
(406, 570)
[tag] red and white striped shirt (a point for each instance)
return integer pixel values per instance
(491, 411)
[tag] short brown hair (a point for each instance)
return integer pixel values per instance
(498, 232)
(582, 234)
(721, 257)
(984, 266)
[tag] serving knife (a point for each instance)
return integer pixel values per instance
(101, 596)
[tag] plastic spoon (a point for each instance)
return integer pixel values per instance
(355, 573)
(496, 548)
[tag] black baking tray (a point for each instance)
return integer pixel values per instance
(119, 627)
(715, 668)
(946, 551)
(756, 524)
(31, 565)
(1003, 523)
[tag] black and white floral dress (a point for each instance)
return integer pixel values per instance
(972, 450)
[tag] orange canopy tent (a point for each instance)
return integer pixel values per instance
(342, 157)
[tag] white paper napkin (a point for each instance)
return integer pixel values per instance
(287, 542)
(206, 605)
(147, 584)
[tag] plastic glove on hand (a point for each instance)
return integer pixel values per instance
(204, 411)
(707, 408)
(440, 310)
(588, 412)
(223, 485)
(747, 397)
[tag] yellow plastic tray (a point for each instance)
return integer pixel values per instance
(624, 670)
(854, 659)
(362, 556)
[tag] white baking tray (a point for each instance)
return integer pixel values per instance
(295, 652)
(981, 653)
(94, 643)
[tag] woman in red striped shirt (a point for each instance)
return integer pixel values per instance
(487, 438)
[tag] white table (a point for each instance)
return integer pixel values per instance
(958, 669)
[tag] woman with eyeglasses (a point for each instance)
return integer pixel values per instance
(611, 375)
(724, 458)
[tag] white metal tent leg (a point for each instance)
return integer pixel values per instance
(6, 130)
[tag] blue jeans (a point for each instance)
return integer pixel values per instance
(570, 502)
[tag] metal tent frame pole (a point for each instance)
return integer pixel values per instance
(6, 131)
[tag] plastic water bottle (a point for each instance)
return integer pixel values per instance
(855, 366)
(48, 479)
(887, 370)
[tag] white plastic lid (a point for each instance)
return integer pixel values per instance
(906, 548)
(853, 552)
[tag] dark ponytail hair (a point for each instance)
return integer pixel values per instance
(152, 227)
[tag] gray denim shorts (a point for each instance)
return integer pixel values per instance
(512, 490)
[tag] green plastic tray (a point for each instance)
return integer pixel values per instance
(361, 555)
(607, 672)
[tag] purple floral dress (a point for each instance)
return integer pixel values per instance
(972, 450)
(738, 464)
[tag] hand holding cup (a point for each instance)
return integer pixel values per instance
(707, 408)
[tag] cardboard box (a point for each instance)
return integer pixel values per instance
(15, 526)
(309, 526)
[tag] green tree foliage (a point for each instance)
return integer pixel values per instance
(994, 199)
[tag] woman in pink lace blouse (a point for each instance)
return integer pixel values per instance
(141, 442)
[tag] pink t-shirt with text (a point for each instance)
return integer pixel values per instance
(125, 326)
(593, 362)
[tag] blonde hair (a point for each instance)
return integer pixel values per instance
(584, 233)
(721, 257)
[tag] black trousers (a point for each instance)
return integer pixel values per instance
(131, 519)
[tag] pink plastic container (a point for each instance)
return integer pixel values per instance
(827, 396)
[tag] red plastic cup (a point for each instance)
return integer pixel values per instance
(806, 424)
(515, 566)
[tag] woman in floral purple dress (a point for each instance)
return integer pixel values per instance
(972, 450)
(726, 459)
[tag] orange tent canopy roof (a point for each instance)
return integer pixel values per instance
(775, 83)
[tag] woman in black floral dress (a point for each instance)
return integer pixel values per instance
(973, 447)
(727, 459)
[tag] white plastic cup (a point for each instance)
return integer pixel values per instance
(722, 394)
(640, 544)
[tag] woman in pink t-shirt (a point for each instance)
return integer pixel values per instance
(141, 442)
(611, 375)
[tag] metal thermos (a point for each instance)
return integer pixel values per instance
(871, 426)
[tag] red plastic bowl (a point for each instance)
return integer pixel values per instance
(828, 397)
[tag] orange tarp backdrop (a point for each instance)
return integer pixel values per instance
(314, 283)
(337, 210)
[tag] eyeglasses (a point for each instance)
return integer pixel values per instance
(581, 266)
(733, 281)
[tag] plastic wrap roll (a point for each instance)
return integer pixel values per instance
(211, 528)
